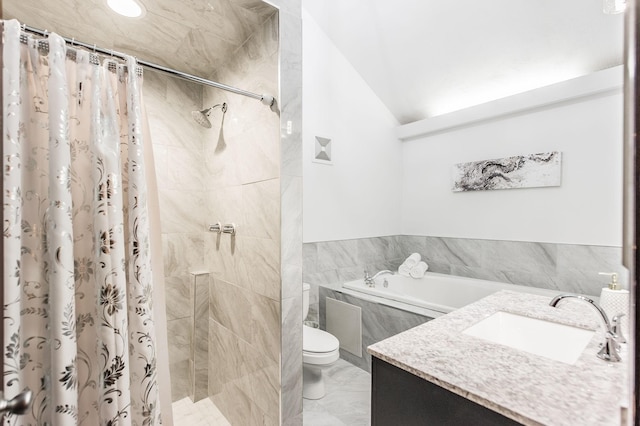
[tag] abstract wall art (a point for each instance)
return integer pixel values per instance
(521, 171)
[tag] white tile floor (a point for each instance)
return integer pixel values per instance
(347, 402)
(348, 398)
(201, 413)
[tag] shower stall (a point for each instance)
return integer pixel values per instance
(233, 301)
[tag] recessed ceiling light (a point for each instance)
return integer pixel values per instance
(128, 8)
(612, 7)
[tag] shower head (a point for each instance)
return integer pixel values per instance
(202, 117)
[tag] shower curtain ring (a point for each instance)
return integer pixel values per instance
(94, 48)
(73, 40)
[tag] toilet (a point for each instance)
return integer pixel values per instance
(319, 349)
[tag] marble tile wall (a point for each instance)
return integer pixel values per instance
(290, 24)
(334, 262)
(243, 186)
(378, 323)
(199, 348)
(178, 153)
(242, 170)
(565, 267)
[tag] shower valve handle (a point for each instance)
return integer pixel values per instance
(229, 228)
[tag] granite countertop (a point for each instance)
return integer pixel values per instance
(527, 388)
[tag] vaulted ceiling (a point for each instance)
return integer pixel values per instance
(424, 57)
(421, 57)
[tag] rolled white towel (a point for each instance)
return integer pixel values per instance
(404, 270)
(412, 260)
(419, 270)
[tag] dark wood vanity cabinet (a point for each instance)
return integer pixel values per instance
(401, 398)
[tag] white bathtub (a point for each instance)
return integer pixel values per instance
(436, 293)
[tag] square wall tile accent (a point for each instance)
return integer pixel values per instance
(323, 150)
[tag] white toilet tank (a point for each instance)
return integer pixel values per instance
(305, 300)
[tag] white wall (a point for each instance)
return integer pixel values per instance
(359, 195)
(585, 209)
(379, 186)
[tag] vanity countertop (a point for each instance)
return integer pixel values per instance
(527, 388)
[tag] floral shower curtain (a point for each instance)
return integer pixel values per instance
(78, 323)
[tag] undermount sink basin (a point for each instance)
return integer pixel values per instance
(548, 339)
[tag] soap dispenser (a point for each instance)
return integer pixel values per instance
(615, 300)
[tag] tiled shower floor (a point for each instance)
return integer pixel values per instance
(201, 413)
(347, 402)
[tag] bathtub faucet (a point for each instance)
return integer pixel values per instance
(370, 281)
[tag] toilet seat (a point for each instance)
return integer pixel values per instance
(319, 347)
(316, 340)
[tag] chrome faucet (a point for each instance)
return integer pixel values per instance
(616, 325)
(611, 345)
(370, 281)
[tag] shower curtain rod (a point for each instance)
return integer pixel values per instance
(264, 98)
